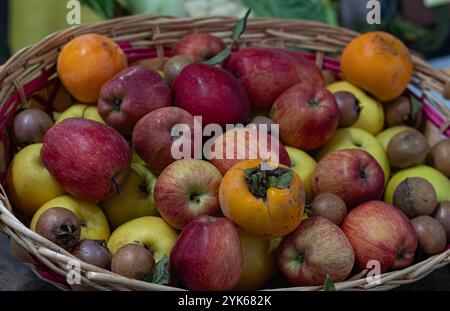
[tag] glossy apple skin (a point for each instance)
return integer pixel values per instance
(326, 251)
(380, 231)
(212, 93)
(352, 174)
(199, 46)
(230, 140)
(139, 90)
(187, 189)
(267, 73)
(308, 116)
(152, 136)
(89, 159)
(207, 255)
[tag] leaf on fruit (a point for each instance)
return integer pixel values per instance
(219, 57)
(284, 180)
(238, 30)
(160, 273)
(416, 105)
(329, 285)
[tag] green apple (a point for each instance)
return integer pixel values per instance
(348, 138)
(135, 200)
(303, 164)
(82, 112)
(439, 181)
(134, 157)
(371, 117)
(385, 137)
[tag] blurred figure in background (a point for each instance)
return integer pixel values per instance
(424, 28)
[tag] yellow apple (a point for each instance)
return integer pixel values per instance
(259, 262)
(356, 138)
(385, 137)
(29, 183)
(135, 200)
(94, 225)
(303, 164)
(151, 231)
(82, 112)
(371, 118)
(439, 181)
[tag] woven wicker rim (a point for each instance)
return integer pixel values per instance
(159, 32)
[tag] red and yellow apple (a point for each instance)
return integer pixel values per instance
(207, 255)
(317, 249)
(89, 159)
(307, 114)
(187, 189)
(379, 231)
(352, 174)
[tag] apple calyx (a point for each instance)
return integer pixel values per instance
(400, 255)
(363, 174)
(259, 180)
(300, 258)
(313, 103)
(117, 102)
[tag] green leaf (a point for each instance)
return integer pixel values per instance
(329, 285)
(240, 26)
(319, 10)
(285, 180)
(219, 57)
(238, 30)
(416, 105)
(160, 273)
(104, 8)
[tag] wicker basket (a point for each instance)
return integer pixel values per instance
(143, 37)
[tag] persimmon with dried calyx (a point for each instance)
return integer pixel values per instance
(264, 203)
(379, 63)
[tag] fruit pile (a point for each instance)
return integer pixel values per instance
(357, 184)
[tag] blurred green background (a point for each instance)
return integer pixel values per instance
(424, 29)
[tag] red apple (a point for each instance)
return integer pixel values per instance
(241, 144)
(187, 189)
(199, 46)
(152, 136)
(315, 249)
(352, 174)
(212, 93)
(130, 95)
(308, 115)
(379, 231)
(207, 255)
(89, 159)
(267, 73)
(308, 70)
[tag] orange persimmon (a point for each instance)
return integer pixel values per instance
(264, 203)
(378, 63)
(87, 62)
